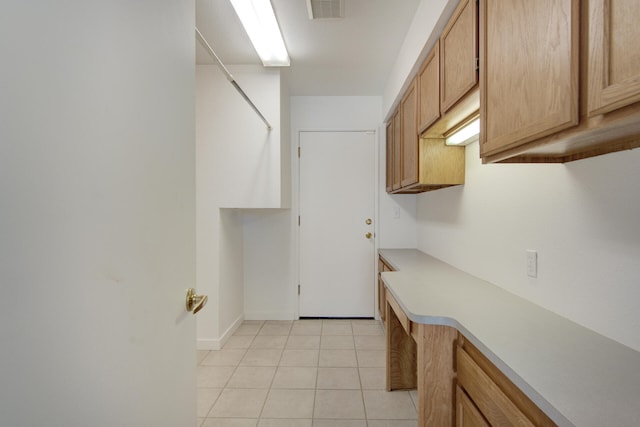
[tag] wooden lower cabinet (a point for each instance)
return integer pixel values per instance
(467, 415)
(497, 400)
(457, 385)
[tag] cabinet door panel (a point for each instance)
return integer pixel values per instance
(409, 127)
(429, 88)
(492, 402)
(529, 59)
(459, 52)
(397, 150)
(614, 57)
(467, 415)
(389, 159)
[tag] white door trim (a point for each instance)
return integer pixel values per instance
(295, 204)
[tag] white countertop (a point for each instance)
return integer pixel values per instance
(576, 376)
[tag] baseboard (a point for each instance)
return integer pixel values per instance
(217, 344)
(270, 315)
(207, 344)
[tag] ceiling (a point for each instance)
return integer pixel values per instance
(349, 56)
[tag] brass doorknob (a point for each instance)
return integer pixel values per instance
(368, 235)
(195, 302)
(368, 221)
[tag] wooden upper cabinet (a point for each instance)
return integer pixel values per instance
(389, 159)
(409, 142)
(397, 150)
(459, 54)
(429, 89)
(614, 56)
(529, 84)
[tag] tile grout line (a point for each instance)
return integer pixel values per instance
(235, 368)
(274, 376)
(317, 367)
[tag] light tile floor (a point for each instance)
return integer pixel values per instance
(303, 373)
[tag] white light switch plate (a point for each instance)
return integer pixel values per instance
(532, 263)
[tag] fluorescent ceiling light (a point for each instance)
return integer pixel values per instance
(260, 23)
(465, 135)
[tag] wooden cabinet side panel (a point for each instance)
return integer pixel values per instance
(382, 292)
(401, 354)
(429, 89)
(397, 150)
(436, 388)
(529, 71)
(399, 314)
(389, 157)
(409, 130)
(614, 57)
(458, 54)
(382, 300)
(440, 163)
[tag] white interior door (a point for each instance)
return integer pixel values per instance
(337, 198)
(97, 196)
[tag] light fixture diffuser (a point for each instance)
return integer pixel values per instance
(259, 21)
(464, 135)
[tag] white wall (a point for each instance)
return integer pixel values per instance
(396, 212)
(428, 22)
(268, 257)
(97, 213)
(231, 294)
(239, 165)
(269, 260)
(207, 212)
(581, 217)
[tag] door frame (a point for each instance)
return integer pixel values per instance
(295, 203)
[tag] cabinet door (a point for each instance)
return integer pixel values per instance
(397, 150)
(467, 415)
(429, 89)
(614, 56)
(389, 160)
(459, 54)
(409, 128)
(529, 71)
(496, 406)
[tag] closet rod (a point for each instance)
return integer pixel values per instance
(229, 77)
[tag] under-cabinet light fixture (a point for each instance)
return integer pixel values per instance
(464, 135)
(259, 21)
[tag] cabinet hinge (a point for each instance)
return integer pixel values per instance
(298, 220)
(298, 289)
(298, 152)
(477, 64)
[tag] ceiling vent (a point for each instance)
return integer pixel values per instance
(325, 9)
